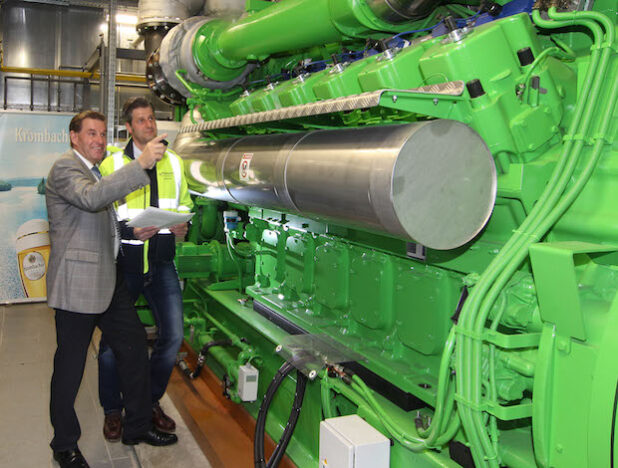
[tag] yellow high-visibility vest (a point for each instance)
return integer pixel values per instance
(171, 186)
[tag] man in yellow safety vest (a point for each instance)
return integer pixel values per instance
(146, 259)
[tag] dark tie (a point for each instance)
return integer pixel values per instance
(117, 244)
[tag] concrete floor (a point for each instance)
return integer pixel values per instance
(27, 346)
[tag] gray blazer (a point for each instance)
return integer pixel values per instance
(81, 274)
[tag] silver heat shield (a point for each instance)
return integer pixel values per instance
(432, 182)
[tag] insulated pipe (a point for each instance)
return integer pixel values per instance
(300, 24)
(166, 11)
(222, 48)
(432, 182)
(215, 52)
(156, 17)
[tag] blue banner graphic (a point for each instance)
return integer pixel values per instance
(29, 145)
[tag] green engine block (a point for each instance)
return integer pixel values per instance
(499, 351)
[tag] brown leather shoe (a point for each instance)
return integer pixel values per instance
(161, 420)
(112, 427)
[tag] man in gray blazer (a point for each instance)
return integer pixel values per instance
(85, 289)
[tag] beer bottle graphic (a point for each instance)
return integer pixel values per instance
(32, 247)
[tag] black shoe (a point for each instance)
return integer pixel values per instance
(71, 459)
(162, 421)
(152, 437)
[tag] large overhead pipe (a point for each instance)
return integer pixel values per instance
(218, 53)
(283, 26)
(432, 182)
(155, 19)
(300, 24)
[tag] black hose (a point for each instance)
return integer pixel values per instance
(301, 384)
(260, 425)
(201, 358)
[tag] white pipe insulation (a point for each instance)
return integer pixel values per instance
(167, 11)
(175, 11)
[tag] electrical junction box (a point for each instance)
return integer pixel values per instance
(351, 442)
(247, 382)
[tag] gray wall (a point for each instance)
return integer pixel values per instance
(37, 35)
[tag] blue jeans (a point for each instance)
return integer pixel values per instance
(161, 289)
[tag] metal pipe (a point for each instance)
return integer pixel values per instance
(32, 78)
(157, 17)
(215, 52)
(32, 95)
(330, 22)
(110, 69)
(254, 36)
(49, 94)
(123, 85)
(57, 80)
(155, 12)
(70, 73)
(46, 71)
(432, 182)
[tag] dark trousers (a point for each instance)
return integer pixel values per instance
(127, 338)
(162, 291)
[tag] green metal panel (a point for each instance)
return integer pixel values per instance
(521, 372)
(302, 90)
(399, 72)
(372, 289)
(341, 81)
(331, 270)
(554, 266)
(425, 302)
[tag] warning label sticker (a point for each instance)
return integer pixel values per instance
(245, 166)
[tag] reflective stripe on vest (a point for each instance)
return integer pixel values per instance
(165, 203)
(168, 203)
(125, 213)
(141, 197)
(176, 168)
(132, 242)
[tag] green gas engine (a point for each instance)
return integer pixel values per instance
(405, 246)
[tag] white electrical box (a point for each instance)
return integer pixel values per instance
(247, 382)
(351, 442)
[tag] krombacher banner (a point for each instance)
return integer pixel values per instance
(29, 145)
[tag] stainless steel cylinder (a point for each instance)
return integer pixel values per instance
(432, 182)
